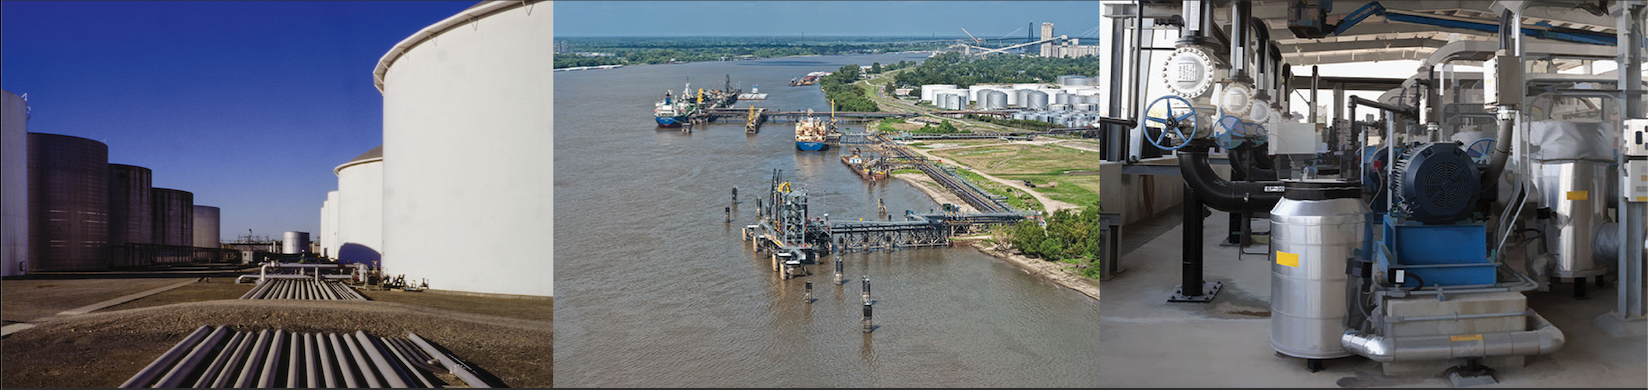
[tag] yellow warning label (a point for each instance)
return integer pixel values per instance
(1469, 337)
(1642, 198)
(1287, 259)
(1579, 195)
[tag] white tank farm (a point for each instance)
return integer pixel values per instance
(14, 185)
(325, 231)
(359, 215)
(928, 91)
(294, 243)
(467, 131)
(331, 241)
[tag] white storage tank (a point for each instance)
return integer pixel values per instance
(467, 130)
(294, 243)
(325, 236)
(929, 91)
(359, 225)
(995, 100)
(1036, 100)
(14, 185)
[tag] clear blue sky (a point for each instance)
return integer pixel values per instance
(249, 105)
(985, 19)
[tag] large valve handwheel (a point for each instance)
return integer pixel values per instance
(1481, 150)
(1234, 132)
(1174, 119)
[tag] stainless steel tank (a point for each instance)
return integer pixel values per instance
(1574, 191)
(131, 214)
(1061, 98)
(1021, 97)
(68, 203)
(1036, 100)
(1313, 230)
(295, 242)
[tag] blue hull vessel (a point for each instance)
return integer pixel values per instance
(811, 146)
(668, 121)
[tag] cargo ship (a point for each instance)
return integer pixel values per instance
(809, 79)
(674, 111)
(809, 133)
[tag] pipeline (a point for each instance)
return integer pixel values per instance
(1544, 339)
(222, 357)
(302, 287)
(1221, 194)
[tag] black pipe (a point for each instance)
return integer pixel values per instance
(1221, 194)
(1191, 271)
(1404, 111)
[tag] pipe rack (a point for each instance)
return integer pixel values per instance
(223, 357)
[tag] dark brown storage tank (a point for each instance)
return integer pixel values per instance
(131, 214)
(174, 217)
(68, 203)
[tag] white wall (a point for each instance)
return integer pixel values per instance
(329, 224)
(467, 154)
(359, 223)
(14, 185)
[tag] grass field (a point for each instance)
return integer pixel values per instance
(1061, 173)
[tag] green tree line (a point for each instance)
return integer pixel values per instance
(838, 87)
(1070, 236)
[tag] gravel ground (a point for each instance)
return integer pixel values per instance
(104, 349)
(29, 299)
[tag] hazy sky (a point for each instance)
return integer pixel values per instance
(985, 19)
(249, 105)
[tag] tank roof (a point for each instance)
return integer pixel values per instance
(468, 15)
(371, 156)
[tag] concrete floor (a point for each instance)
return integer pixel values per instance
(1148, 342)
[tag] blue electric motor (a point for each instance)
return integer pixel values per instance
(1437, 183)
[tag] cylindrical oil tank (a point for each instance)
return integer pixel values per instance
(325, 236)
(131, 212)
(333, 240)
(1092, 99)
(482, 193)
(206, 232)
(1575, 192)
(1012, 96)
(1020, 97)
(174, 216)
(1061, 97)
(928, 91)
(14, 184)
(1072, 81)
(68, 203)
(1036, 100)
(1314, 229)
(360, 221)
(995, 100)
(294, 242)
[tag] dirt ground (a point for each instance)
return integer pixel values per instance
(210, 289)
(526, 309)
(105, 348)
(29, 299)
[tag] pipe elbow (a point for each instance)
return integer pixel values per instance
(1375, 348)
(1551, 338)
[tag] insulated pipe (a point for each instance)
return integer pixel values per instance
(404, 359)
(249, 372)
(327, 371)
(451, 365)
(392, 375)
(1502, 146)
(271, 360)
(151, 372)
(294, 365)
(340, 353)
(217, 363)
(175, 377)
(361, 363)
(1221, 194)
(226, 378)
(1544, 339)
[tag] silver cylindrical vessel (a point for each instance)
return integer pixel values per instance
(1037, 100)
(1314, 228)
(295, 242)
(1574, 191)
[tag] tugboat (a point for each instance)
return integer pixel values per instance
(809, 133)
(674, 111)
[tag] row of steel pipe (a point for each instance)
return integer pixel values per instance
(222, 357)
(302, 289)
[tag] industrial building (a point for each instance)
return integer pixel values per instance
(1065, 49)
(1481, 222)
(463, 181)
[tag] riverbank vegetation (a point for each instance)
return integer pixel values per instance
(1070, 237)
(839, 89)
(592, 51)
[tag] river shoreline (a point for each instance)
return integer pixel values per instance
(1047, 270)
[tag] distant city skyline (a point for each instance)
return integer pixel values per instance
(984, 19)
